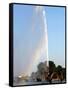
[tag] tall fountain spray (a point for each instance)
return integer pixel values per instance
(41, 52)
(43, 45)
(46, 37)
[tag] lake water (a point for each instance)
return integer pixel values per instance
(35, 82)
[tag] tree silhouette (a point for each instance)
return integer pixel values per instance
(53, 72)
(52, 67)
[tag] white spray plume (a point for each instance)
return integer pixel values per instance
(42, 48)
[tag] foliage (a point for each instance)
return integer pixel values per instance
(52, 67)
(53, 71)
